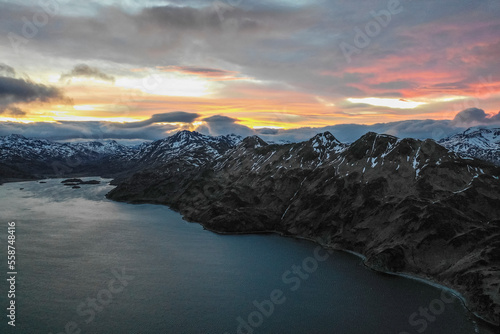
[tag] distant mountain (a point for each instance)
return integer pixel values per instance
(16, 148)
(23, 158)
(408, 205)
(190, 147)
(107, 148)
(39, 157)
(477, 143)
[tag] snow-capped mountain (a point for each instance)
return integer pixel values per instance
(17, 148)
(481, 143)
(47, 158)
(408, 205)
(106, 148)
(192, 147)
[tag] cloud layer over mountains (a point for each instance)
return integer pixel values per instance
(162, 125)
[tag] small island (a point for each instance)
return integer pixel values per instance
(75, 183)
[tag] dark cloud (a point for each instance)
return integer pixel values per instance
(267, 131)
(85, 71)
(475, 116)
(13, 90)
(217, 119)
(169, 117)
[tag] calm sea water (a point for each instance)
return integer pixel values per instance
(89, 265)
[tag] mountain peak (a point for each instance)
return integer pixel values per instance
(325, 142)
(327, 135)
(369, 136)
(253, 142)
(186, 134)
(231, 139)
(476, 142)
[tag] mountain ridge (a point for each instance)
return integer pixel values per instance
(480, 143)
(408, 205)
(37, 158)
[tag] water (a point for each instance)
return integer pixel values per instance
(72, 244)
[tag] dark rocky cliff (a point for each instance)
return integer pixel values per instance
(409, 206)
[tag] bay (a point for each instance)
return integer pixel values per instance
(92, 265)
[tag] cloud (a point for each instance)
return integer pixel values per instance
(153, 129)
(218, 119)
(419, 55)
(267, 131)
(169, 117)
(209, 73)
(7, 71)
(475, 116)
(85, 71)
(150, 129)
(285, 43)
(87, 131)
(12, 111)
(13, 91)
(419, 129)
(221, 125)
(495, 118)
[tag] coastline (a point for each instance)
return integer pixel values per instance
(426, 280)
(14, 180)
(487, 325)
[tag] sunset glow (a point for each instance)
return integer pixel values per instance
(259, 66)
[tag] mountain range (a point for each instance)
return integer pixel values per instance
(29, 158)
(481, 143)
(408, 206)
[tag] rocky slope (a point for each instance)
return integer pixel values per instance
(409, 206)
(35, 158)
(480, 143)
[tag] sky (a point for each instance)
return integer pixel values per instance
(144, 69)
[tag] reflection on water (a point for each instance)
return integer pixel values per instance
(99, 266)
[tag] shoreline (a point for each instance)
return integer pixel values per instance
(10, 180)
(478, 319)
(426, 280)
